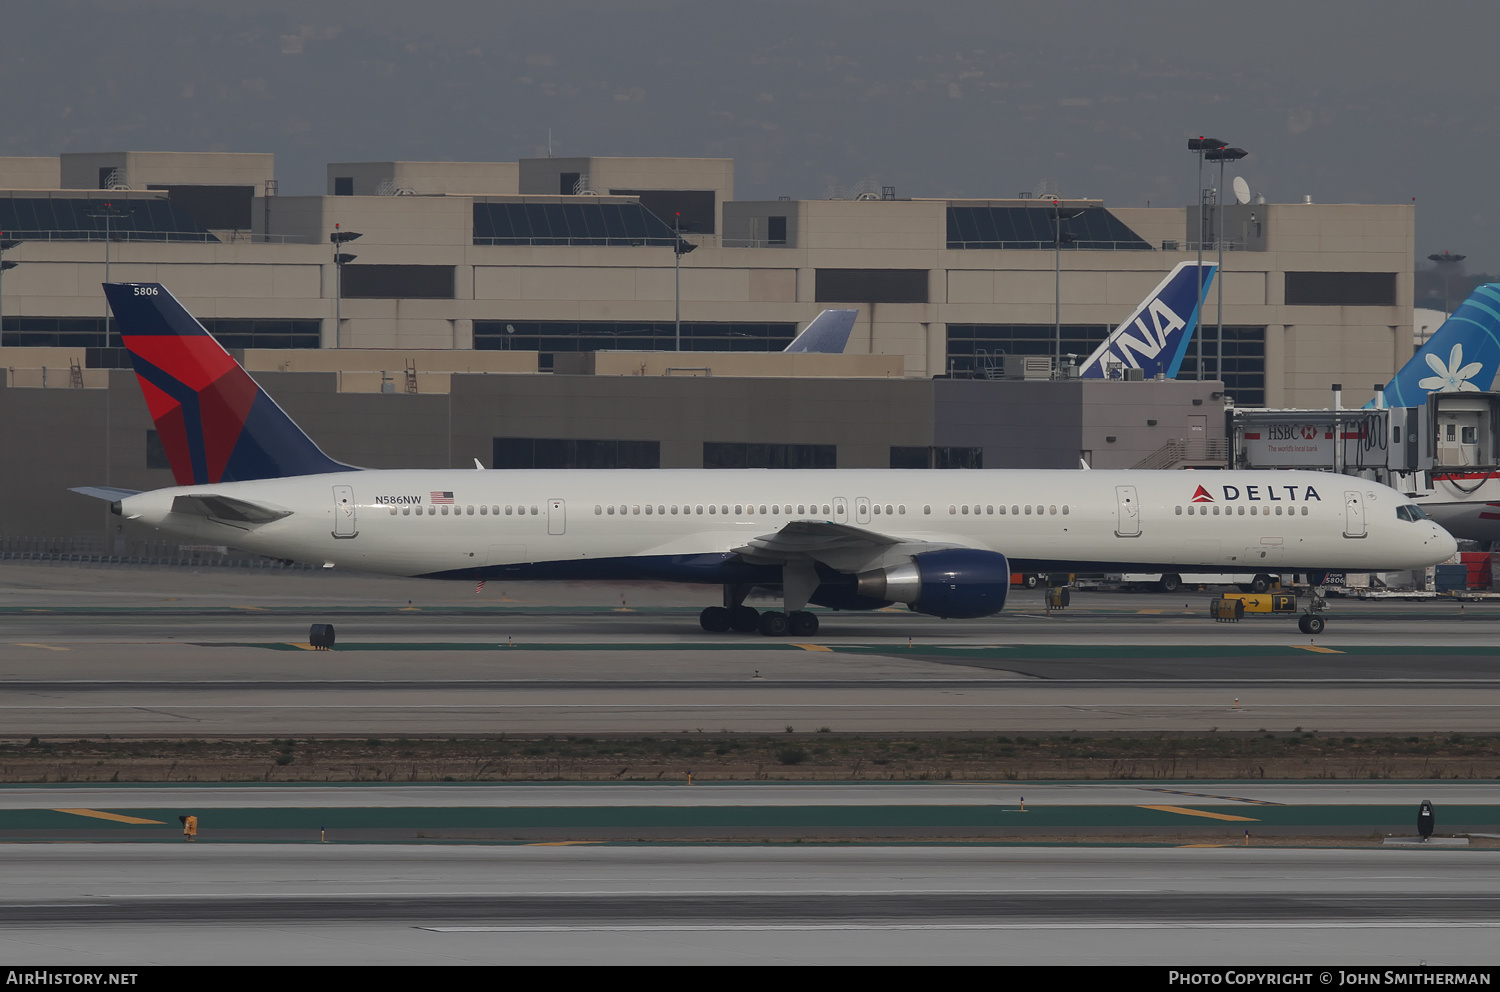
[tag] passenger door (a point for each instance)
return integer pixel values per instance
(1354, 514)
(1127, 512)
(345, 523)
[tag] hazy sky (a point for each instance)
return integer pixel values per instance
(1379, 101)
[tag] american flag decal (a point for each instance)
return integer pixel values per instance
(438, 499)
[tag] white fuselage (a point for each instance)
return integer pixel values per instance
(387, 521)
(1467, 504)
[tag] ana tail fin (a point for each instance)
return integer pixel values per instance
(215, 422)
(1462, 355)
(1155, 337)
(825, 334)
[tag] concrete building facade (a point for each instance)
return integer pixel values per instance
(546, 261)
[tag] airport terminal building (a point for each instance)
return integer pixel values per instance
(505, 312)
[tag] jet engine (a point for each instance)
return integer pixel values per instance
(957, 583)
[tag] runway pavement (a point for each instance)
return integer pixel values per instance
(163, 652)
(384, 904)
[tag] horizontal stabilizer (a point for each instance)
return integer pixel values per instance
(110, 493)
(228, 509)
(825, 334)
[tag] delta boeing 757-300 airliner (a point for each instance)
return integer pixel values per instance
(943, 543)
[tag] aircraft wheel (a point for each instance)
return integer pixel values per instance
(1031, 581)
(714, 619)
(321, 636)
(803, 624)
(1170, 583)
(745, 619)
(1261, 583)
(1311, 624)
(774, 623)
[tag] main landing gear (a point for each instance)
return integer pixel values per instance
(735, 615)
(746, 619)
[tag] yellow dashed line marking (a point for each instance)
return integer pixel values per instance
(117, 817)
(1316, 649)
(812, 647)
(299, 646)
(1150, 612)
(34, 609)
(1198, 812)
(261, 608)
(49, 647)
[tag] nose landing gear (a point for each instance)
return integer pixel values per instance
(1310, 622)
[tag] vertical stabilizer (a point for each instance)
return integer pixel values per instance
(1155, 337)
(1461, 356)
(215, 422)
(826, 334)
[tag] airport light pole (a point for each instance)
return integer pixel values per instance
(6, 244)
(340, 238)
(1058, 237)
(107, 212)
(1220, 155)
(1199, 146)
(679, 249)
(1441, 260)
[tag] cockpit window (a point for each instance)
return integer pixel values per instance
(1411, 512)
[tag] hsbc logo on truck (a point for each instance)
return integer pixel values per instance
(1293, 432)
(1259, 494)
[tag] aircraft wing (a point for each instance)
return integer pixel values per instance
(228, 509)
(839, 546)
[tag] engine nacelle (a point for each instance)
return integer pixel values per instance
(957, 583)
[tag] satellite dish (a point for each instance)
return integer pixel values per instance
(1241, 190)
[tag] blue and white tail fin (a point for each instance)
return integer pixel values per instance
(215, 422)
(1155, 337)
(1462, 355)
(825, 334)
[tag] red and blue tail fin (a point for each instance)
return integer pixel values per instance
(215, 422)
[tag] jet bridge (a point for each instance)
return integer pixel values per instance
(1444, 454)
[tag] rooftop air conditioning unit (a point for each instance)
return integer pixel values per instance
(1028, 367)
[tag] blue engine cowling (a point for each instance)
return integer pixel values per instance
(953, 584)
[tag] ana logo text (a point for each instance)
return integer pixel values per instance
(1154, 338)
